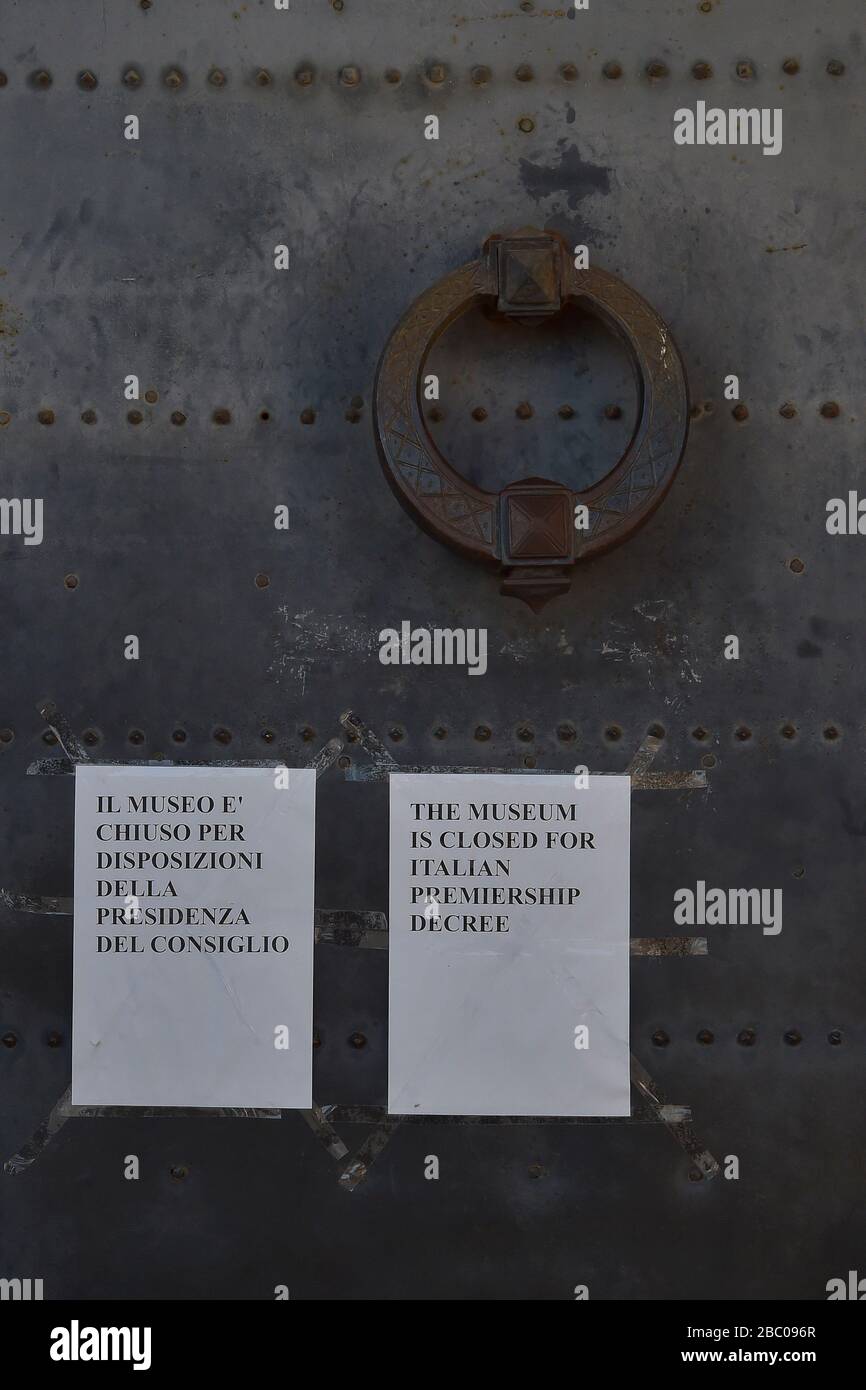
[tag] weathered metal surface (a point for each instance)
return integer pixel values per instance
(155, 257)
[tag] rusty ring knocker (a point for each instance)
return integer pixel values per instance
(528, 529)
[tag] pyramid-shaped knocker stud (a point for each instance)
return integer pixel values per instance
(527, 531)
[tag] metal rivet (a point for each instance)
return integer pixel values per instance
(535, 1170)
(791, 67)
(71, 581)
(308, 416)
(834, 1037)
(835, 68)
(440, 732)
(178, 1172)
(436, 73)
(656, 731)
(336, 5)
(49, 738)
(788, 731)
(788, 410)
(3, 79)
(699, 733)
(660, 1038)
(657, 69)
(708, 760)
(743, 733)
(566, 412)
(5, 418)
(393, 76)
(568, 72)
(179, 736)
(480, 75)
(90, 737)
(222, 736)
(9, 1040)
(613, 733)
(695, 1175)
(45, 417)
(612, 412)
(353, 415)
(702, 71)
(796, 566)
(479, 413)
(705, 1037)
(304, 77)
(612, 70)
(745, 70)
(525, 733)
(136, 736)
(132, 77)
(87, 80)
(178, 417)
(134, 417)
(740, 411)
(357, 1040)
(566, 733)
(746, 1037)
(308, 733)
(524, 411)
(268, 735)
(262, 581)
(173, 78)
(705, 6)
(88, 417)
(263, 78)
(350, 76)
(526, 124)
(222, 416)
(830, 410)
(524, 73)
(54, 1039)
(6, 735)
(482, 733)
(216, 77)
(41, 79)
(436, 414)
(395, 734)
(151, 397)
(793, 1038)
(799, 872)
(831, 733)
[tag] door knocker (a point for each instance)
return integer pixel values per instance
(534, 530)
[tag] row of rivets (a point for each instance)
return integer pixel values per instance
(436, 74)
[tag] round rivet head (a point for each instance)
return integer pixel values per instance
(482, 733)
(702, 71)
(262, 78)
(831, 410)
(88, 417)
(436, 73)
(796, 566)
(45, 417)
(656, 70)
(173, 79)
(222, 736)
(71, 581)
(526, 124)
(835, 68)
(350, 76)
(660, 1038)
(178, 417)
(746, 1037)
(87, 80)
(151, 396)
(705, 1037)
(308, 416)
(568, 72)
(834, 1037)
(262, 581)
(3, 79)
(524, 73)
(740, 412)
(566, 412)
(480, 75)
(745, 70)
(41, 79)
(393, 76)
(216, 77)
(612, 71)
(134, 417)
(132, 77)
(357, 1040)
(304, 77)
(9, 1040)
(222, 416)
(788, 410)
(791, 67)
(793, 1037)
(6, 735)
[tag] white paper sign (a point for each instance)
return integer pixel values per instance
(509, 945)
(193, 957)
